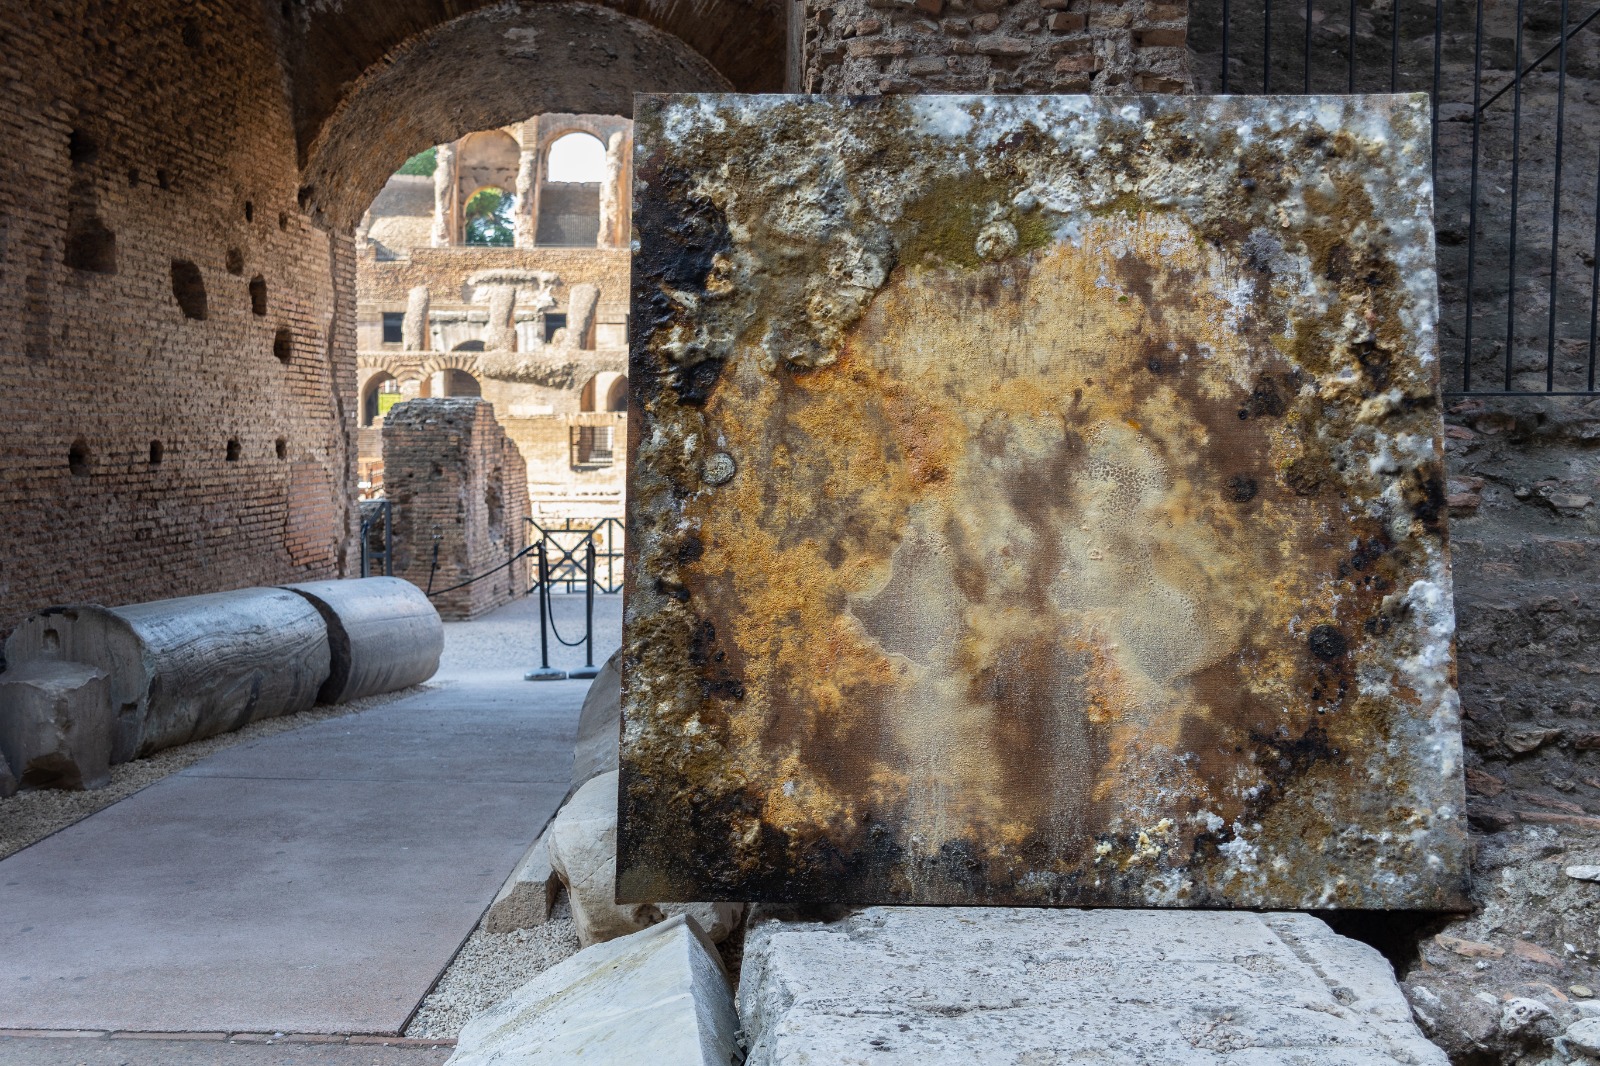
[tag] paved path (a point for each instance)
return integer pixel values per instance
(316, 881)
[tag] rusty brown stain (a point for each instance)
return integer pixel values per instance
(1075, 555)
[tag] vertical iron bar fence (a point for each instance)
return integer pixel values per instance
(1533, 149)
(566, 540)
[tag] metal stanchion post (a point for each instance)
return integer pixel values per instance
(544, 673)
(588, 669)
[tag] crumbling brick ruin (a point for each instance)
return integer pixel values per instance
(458, 485)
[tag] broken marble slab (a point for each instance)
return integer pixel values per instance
(1028, 987)
(658, 997)
(595, 751)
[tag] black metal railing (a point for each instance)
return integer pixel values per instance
(567, 541)
(1516, 159)
(377, 537)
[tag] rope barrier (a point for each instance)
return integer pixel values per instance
(479, 577)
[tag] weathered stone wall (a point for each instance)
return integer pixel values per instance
(174, 359)
(1029, 46)
(386, 284)
(557, 485)
(457, 480)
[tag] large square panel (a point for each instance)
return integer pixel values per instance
(1038, 500)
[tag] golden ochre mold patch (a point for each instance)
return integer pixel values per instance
(1037, 501)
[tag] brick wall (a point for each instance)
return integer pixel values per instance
(149, 452)
(996, 46)
(455, 478)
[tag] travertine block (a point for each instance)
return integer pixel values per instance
(949, 987)
(659, 996)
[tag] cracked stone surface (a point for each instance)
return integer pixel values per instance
(928, 987)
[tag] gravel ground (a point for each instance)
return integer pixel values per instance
(491, 966)
(28, 817)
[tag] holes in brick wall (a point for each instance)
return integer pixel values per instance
(133, 177)
(189, 288)
(282, 447)
(234, 261)
(258, 295)
(283, 220)
(234, 450)
(191, 35)
(82, 149)
(249, 211)
(79, 458)
(156, 452)
(283, 345)
(163, 178)
(90, 245)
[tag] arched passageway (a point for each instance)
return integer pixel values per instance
(289, 119)
(488, 69)
(380, 393)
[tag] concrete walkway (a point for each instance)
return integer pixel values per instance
(316, 881)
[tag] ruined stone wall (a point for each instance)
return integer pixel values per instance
(457, 480)
(1030, 46)
(385, 284)
(559, 483)
(176, 366)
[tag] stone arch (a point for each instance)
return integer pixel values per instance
(463, 358)
(569, 211)
(574, 136)
(601, 391)
(372, 392)
(617, 394)
(493, 67)
(484, 160)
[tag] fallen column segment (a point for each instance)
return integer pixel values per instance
(383, 635)
(189, 668)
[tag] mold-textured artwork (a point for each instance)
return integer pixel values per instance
(1037, 501)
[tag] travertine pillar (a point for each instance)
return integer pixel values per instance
(613, 195)
(444, 194)
(501, 333)
(526, 217)
(414, 329)
(994, 46)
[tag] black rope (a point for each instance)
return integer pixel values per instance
(434, 569)
(478, 577)
(550, 612)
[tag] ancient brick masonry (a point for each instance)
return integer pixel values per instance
(176, 396)
(457, 480)
(1033, 46)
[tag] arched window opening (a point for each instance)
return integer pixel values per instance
(576, 158)
(461, 383)
(488, 218)
(569, 200)
(617, 395)
(380, 394)
(606, 391)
